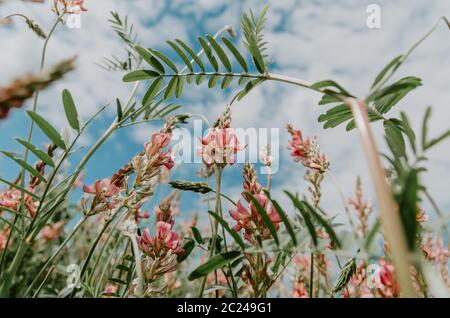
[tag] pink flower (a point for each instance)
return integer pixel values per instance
(300, 290)
(170, 238)
(219, 146)
(389, 286)
(78, 3)
(422, 216)
(52, 231)
(11, 199)
(154, 150)
(102, 187)
(435, 250)
(164, 241)
(251, 221)
(70, 4)
(307, 151)
(110, 289)
(105, 196)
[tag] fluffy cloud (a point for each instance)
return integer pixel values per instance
(310, 40)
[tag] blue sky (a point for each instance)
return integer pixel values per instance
(313, 40)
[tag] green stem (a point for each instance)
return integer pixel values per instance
(56, 253)
(91, 251)
(22, 174)
(311, 277)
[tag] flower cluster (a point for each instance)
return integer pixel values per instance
(160, 250)
(249, 219)
(301, 283)
(11, 199)
(219, 147)
(362, 207)
(51, 231)
(105, 196)
(357, 286)
(146, 167)
(388, 286)
(165, 241)
(70, 6)
(436, 251)
(307, 151)
(220, 144)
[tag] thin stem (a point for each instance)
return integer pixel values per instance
(225, 196)
(139, 273)
(43, 282)
(91, 251)
(410, 51)
(55, 254)
(438, 211)
(215, 227)
(344, 202)
(30, 134)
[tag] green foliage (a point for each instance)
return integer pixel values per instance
(252, 27)
(266, 219)
(125, 31)
(70, 110)
(216, 262)
(47, 129)
(235, 235)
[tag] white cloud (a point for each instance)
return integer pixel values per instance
(311, 40)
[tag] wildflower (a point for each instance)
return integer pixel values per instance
(105, 196)
(219, 147)
(422, 216)
(388, 288)
(301, 282)
(154, 152)
(362, 207)
(357, 287)
(164, 213)
(51, 231)
(102, 188)
(153, 268)
(166, 240)
(71, 6)
(307, 151)
(250, 183)
(300, 290)
(251, 221)
(11, 199)
(435, 250)
(109, 290)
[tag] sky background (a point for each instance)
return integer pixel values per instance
(312, 40)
